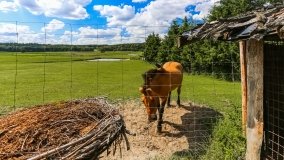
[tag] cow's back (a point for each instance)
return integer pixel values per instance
(173, 67)
(169, 79)
(175, 71)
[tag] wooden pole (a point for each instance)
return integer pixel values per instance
(254, 50)
(242, 45)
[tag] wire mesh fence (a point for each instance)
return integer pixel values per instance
(31, 78)
(273, 101)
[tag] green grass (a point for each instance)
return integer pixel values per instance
(226, 141)
(30, 81)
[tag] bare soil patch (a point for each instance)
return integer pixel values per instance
(185, 129)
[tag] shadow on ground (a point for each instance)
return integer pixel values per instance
(197, 126)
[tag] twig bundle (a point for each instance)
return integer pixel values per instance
(91, 125)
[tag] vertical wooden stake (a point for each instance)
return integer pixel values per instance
(242, 45)
(254, 131)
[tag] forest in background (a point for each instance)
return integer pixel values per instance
(35, 47)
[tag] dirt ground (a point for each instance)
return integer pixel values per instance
(184, 129)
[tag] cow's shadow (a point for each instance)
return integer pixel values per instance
(197, 126)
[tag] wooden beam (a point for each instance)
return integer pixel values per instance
(254, 50)
(181, 41)
(242, 45)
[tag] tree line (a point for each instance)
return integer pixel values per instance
(217, 58)
(35, 47)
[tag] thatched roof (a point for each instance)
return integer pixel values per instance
(259, 24)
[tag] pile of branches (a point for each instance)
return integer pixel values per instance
(79, 129)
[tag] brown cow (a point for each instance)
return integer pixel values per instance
(158, 84)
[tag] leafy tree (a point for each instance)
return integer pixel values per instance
(186, 58)
(185, 26)
(164, 50)
(174, 29)
(229, 8)
(212, 57)
(152, 45)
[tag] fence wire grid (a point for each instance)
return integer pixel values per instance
(273, 101)
(35, 78)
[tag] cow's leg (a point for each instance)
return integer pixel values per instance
(161, 112)
(178, 92)
(169, 99)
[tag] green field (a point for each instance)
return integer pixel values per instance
(27, 79)
(34, 78)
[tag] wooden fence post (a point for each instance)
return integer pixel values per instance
(243, 62)
(254, 50)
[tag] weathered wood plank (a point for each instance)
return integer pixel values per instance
(265, 20)
(254, 50)
(242, 45)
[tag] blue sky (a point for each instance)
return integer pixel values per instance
(93, 21)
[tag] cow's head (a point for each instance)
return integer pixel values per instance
(151, 102)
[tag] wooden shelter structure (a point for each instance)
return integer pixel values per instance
(261, 41)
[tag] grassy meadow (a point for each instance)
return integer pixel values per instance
(39, 78)
(28, 79)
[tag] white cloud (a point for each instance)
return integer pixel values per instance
(63, 39)
(12, 29)
(8, 32)
(18, 33)
(71, 9)
(116, 15)
(89, 35)
(7, 28)
(155, 17)
(53, 25)
(204, 9)
(138, 1)
(83, 2)
(6, 6)
(123, 24)
(162, 12)
(93, 33)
